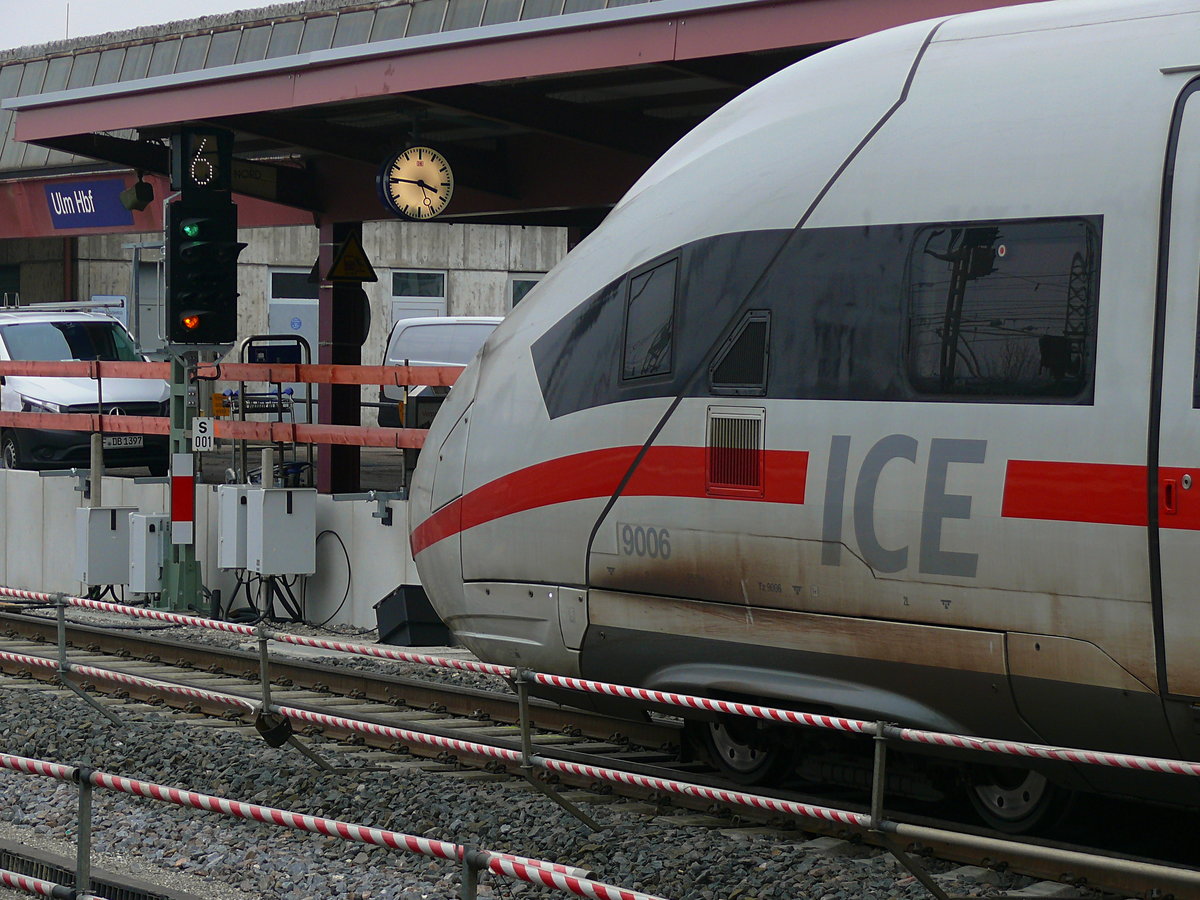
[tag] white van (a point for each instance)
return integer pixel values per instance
(29, 334)
(427, 341)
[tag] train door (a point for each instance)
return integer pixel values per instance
(1175, 518)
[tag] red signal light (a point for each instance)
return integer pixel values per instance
(191, 323)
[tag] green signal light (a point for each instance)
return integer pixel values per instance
(191, 229)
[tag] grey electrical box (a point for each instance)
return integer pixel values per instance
(281, 531)
(231, 525)
(102, 544)
(149, 537)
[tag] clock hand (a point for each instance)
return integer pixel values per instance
(418, 182)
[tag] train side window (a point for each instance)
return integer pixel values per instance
(740, 366)
(649, 321)
(1003, 309)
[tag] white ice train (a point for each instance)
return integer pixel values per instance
(878, 394)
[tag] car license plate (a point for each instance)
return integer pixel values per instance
(116, 441)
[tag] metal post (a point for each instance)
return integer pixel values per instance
(64, 665)
(83, 844)
(879, 775)
(523, 715)
(472, 862)
(264, 665)
(521, 679)
(60, 603)
(96, 469)
(878, 782)
(268, 467)
(181, 571)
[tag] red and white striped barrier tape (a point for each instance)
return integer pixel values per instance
(23, 659)
(166, 687)
(580, 887)
(36, 886)
(534, 871)
(453, 745)
(497, 863)
(133, 680)
(689, 701)
(377, 652)
(573, 871)
(159, 615)
(666, 698)
(683, 788)
(1042, 751)
(465, 665)
(26, 595)
(27, 766)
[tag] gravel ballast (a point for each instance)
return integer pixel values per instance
(637, 851)
(238, 859)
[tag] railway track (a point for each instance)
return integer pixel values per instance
(468, 712)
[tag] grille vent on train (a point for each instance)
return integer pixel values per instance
(735, 452)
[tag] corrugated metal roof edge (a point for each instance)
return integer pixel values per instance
(569, 21)
(187, 27)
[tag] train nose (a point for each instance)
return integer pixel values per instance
(435, 501)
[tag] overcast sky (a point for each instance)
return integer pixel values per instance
(41, 21)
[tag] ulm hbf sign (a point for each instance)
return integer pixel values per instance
(87, 204)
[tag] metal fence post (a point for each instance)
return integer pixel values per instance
(83, 846)
(264, 665)
(64, 666)
(522, 683)
(878, 782)
(472, 862)
(521, 679)
(878, 776)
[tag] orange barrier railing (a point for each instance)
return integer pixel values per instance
(438, 376)
(286, 432)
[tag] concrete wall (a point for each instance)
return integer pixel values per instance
(43, 267)
(38, 543)
(478, 260)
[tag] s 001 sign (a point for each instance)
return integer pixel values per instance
(203, 436)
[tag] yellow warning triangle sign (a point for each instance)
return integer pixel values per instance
(350, 263)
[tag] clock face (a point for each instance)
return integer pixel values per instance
(416, 183)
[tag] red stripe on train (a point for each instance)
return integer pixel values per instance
(663, 472)
(1075, 492)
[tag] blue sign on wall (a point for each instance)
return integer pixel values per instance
(87, 204)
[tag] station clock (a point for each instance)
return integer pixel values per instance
(416, 183)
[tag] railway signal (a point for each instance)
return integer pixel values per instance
(202, 255)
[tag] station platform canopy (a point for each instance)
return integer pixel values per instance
(548, 109)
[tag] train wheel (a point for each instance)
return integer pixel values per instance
(1016, 801)
(745, 751)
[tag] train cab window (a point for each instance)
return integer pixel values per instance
(649, 321)
(1003, 310)
(740, 366)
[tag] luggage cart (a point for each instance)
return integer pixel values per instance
(278, 404)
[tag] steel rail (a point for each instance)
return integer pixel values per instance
(382, 687)
(683, 701)
(1050, 862)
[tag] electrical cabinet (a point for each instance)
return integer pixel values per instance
(231, 525)
(149, 537)
(281, 531)
(102, 544)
